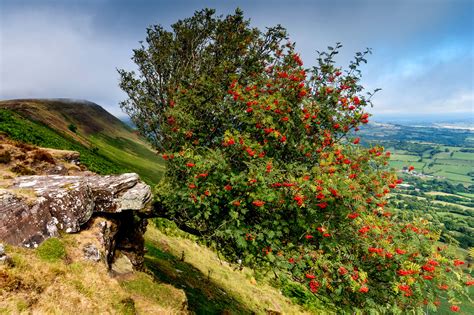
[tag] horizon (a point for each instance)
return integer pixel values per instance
(422, 54)
(397, 118)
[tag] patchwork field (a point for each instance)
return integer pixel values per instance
(440, 162)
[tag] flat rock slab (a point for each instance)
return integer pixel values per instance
(34, 208)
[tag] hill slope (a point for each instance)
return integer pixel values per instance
(180, 275)
(45, 281)
(106, 144)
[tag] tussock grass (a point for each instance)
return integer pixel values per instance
(54, 279)
(45, 281)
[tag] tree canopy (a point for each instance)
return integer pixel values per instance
(264, 164)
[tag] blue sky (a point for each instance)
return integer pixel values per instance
(423, 50)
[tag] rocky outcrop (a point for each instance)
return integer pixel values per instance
(34, 208)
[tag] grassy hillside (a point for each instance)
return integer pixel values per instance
(106, 144)
(45, 281)
(53, 280)
(442, 184)
(24, 130)
(50, 280)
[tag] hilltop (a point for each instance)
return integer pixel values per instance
(106, 144)
(90, 118)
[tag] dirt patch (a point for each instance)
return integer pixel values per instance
(18, 158)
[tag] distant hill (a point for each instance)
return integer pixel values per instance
(90, 118)
(107, 145)
(464, 120)
(127, 121)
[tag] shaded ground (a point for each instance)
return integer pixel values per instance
(212, 286)
(204, 295)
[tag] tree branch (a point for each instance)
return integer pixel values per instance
(159, 211)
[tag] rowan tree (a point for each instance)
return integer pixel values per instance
(263, 163)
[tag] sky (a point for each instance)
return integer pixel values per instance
(423, 50)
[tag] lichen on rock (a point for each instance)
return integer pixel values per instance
(37, 207)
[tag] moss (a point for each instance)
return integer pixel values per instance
(76, 268)
(145, 286)
(22, 305)
(51, 250)
(127, 306)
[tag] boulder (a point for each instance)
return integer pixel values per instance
(34, 208)
(91, 252)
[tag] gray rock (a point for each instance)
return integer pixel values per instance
(91, 252)
(35, 208)
(122, 265)
(2, 250)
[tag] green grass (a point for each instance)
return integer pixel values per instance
(160, 293)
(21, 129)
(468, 195)
(454, 166)
(169, 269)
(456, 162)
(405, 157)
(398, 165)
(463, 156)
(443, 155)
(76, 286)
(108, 154)
(466, 306)
(454, 177)
(51, 250)
(202, 281)
(459, 195)
(212, 286)
(131, 155)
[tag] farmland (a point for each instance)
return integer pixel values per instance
(436, 153)
(441, 187)
(440, 162)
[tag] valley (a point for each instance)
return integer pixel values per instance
(441, 186)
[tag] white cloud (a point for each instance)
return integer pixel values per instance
(439, 80)
(49, 54)
(60, 51)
